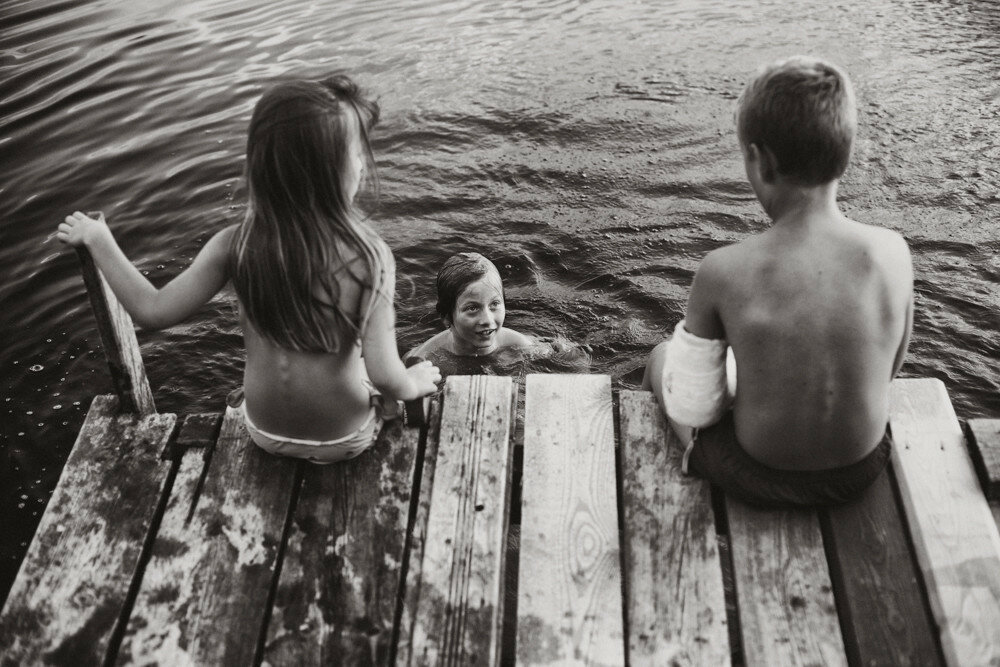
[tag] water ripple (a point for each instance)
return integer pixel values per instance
(587, 147)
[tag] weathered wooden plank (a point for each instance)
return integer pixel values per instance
(986, 454)
(121, 347)
(72, 585)
(954, 534)
(199, 430)
(783, 589)
(336, 598)
(676, 603)
(570, 594)
(883, 614)
(417, 544)
(203, 598)
(460, 608)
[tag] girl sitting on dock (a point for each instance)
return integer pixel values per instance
(314, 282)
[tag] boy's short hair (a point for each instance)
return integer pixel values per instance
(803, 111)
(457, 273)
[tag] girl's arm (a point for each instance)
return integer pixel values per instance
(381, 355)
(150, 307)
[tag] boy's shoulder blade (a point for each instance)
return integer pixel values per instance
(729, 258)
(884, 240)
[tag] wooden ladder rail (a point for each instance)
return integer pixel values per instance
(128, 374)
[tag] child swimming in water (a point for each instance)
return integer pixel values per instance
(314, 282)
(470, 302)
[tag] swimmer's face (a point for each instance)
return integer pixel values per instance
(478, 315)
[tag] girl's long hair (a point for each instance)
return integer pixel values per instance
(302, 227)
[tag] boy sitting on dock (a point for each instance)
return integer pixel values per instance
(817, 311)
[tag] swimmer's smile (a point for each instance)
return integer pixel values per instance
(478, 317)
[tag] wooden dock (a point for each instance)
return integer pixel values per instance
(175, 541)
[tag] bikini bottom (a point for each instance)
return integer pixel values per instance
(318, 451)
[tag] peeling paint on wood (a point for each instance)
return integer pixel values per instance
(460, 609)
(203, 598)
(336, 598)
(418, 540)
(676, 604)
(72, 585)
(783, 590)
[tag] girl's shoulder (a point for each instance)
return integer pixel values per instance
(355, 266)
(228, 233)
(221, 243)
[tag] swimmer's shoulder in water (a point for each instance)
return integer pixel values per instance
(444, 341)
(543, 355)
(471, 304)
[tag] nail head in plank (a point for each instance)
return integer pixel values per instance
(783, 589)
(459, 613)
(336, 598)
(986, 454)
(569, 597)
(676, 603)
(73, 582)
(885, 618)
(203, 598)
(121, 347)
(953, 532)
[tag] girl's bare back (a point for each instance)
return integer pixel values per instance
(309, 395)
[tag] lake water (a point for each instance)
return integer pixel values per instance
(586, 146)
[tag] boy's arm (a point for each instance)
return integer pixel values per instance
(907, 281)
(151, 307)
(702, 317)
(901, 352)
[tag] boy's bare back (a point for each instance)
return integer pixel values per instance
(818, 312)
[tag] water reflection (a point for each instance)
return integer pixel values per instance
(587, 147)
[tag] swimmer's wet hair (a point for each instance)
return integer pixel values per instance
(458, 272)
(802, 110)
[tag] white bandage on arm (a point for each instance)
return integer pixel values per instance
(695, 389)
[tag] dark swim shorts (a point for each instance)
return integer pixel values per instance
(719, 458)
